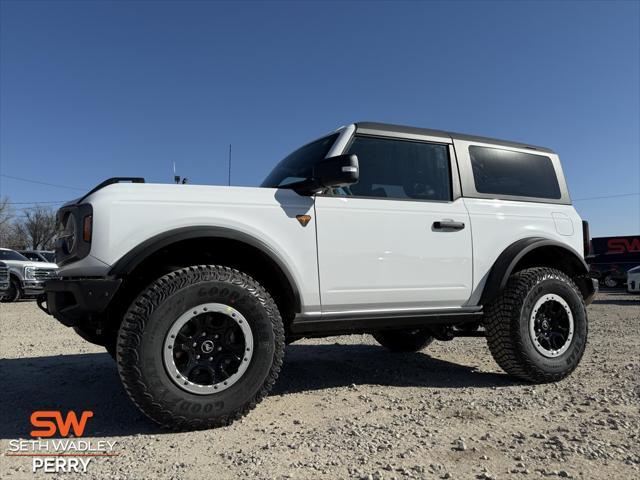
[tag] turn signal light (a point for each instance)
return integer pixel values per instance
(87, 226)
(303, 219)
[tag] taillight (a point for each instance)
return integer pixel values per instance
(586, 239)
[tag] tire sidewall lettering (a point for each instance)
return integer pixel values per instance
(166, 311)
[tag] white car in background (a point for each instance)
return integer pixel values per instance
(633, 280)
(4, 279)
(26, 278)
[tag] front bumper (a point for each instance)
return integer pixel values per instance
(73, 300)
(32, 287)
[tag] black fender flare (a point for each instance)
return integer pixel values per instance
(506, 262)
(127, 264)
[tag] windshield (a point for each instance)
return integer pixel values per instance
(33, 256)
(11, 255)
(298, 165)
(49, 256)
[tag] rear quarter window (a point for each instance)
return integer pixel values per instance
(505, 172)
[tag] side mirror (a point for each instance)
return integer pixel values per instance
(338, 171)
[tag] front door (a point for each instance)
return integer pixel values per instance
(398, 239)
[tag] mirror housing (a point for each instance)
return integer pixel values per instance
(338, 171)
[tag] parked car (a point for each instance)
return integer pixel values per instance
(26, 278)
(611, 257)
(39, 255)
(4, 279)
(405, 233)
(633, 280)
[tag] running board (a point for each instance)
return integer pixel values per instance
(362, 322)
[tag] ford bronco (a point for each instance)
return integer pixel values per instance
(404, 233)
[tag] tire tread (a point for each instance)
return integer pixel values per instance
(502, 319)
(133, 326)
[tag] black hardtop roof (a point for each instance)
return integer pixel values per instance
(404, 130)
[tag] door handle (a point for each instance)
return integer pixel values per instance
(448, 225)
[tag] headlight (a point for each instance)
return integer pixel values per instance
(29, 273)
(68, 233)
(75, 229)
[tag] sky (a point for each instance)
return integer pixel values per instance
(96, 89)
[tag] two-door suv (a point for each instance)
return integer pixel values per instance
(404, 233)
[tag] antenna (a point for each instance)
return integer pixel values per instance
(229, 179)
(176, 178)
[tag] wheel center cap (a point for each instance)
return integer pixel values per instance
(207, 346)
(545, 325)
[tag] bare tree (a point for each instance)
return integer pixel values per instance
(38, 227)
(5, 213)
(7, 227)
(14, 236)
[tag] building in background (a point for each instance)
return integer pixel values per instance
(612, 257)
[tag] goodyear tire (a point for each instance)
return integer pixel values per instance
(200, 347)
(404, 340)
(537, 328)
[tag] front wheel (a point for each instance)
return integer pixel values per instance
(13, 293)
(537, 328)
(200, 347)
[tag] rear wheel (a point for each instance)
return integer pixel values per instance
(610, 281)
(404, 340)
(200, 347)
(537, 328)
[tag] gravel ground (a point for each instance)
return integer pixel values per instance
(345, 408)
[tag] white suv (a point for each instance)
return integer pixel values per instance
(405, 233)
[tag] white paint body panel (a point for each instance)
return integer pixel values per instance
(496, 224)
(125, 215)
(384, 254)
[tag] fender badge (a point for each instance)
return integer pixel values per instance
(304, 219)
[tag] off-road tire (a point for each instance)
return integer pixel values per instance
(404, 340)
(147, 321)
(13, 293)
(506, 322)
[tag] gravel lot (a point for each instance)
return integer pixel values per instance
(345, 408)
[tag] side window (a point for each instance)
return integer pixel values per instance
(401, 169)
(505, 172)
